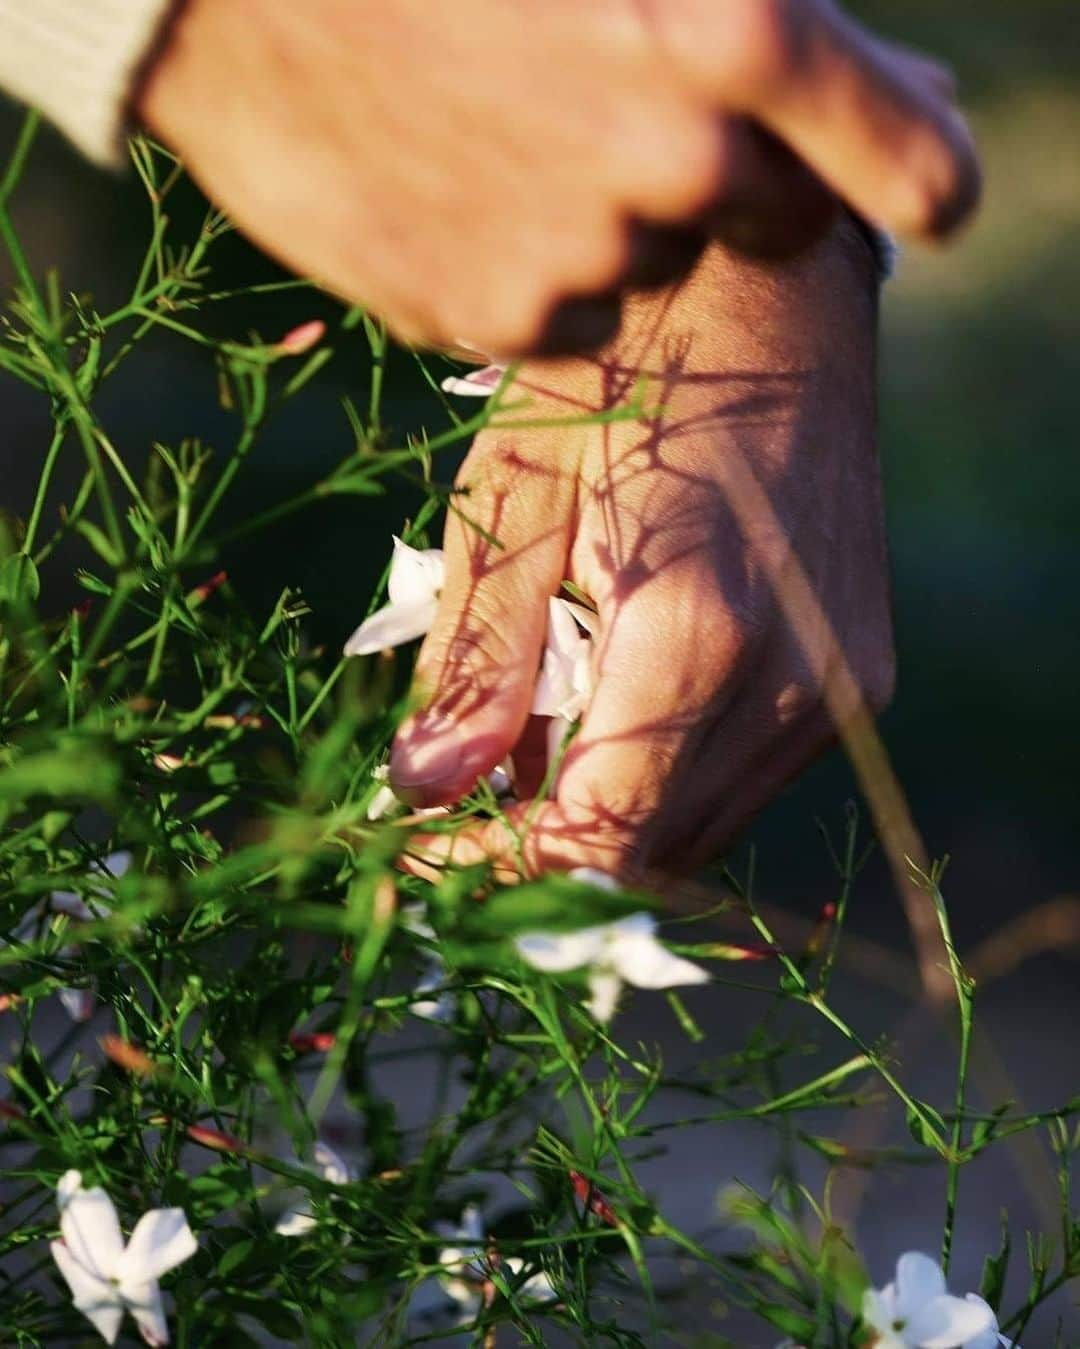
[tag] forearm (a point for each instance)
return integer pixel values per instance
(78, 61)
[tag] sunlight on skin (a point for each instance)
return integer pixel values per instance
(706, 700)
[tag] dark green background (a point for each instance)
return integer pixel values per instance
(980, 399)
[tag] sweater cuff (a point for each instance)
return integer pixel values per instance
(78, 60)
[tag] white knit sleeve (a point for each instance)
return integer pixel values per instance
(77, 60)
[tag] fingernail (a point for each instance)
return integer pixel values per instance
(430, 751)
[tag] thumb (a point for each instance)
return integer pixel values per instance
(506, 550)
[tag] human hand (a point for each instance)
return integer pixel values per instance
(500, 172)
(733, 545)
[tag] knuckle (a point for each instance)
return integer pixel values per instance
(698, 167)
(475, 648)
(762, 43)
(596, 261)
(943, 187)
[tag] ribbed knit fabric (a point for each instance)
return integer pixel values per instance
(76, 60)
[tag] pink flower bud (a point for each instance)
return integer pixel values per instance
(593, 1200)
(202, 593)
(312, 1042)
(302, 338)
(127, 1056)
(213, 1139)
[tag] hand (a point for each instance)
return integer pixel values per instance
(500, 172)
(733, 545)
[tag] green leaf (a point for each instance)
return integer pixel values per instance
(922, 1122)
(235, 1256)
(996, 1267)
(77, 770)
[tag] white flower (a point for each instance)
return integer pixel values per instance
(299, 1218)
(79, 1003)
(464, 1270)
(384, 802)
(415, 582)
(625, 951)
(106, 1277)
(480, 383)
(991, 1337)
(566, 680)
(917, 1312)
(442, 1008)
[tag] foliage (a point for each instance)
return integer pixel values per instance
(256, 967)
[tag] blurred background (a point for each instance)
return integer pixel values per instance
(980, 401)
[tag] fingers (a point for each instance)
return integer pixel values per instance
(477, 669)
(768, 203)
(621, 773)
(876, 125)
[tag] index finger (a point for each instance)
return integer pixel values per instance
(872, 122)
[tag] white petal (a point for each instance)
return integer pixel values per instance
(161, 1240)
(27, 928)
(599, 880)
(382, 804)
(144, 1303)
(97, 1299)
(563, 633)
(70, 1183)
(554, 685)
(414, 919)
(572, 706)
(65, 901)
(536, 1288)
(604, 989)
(557, 952)
(393, 625)
(472, 1224)
(646, 962)
(877, 1312)
(439, 1009)
(296, 1221)
(416, 575)
(582, 674)
(501, 778)
(918, 1281)
(91, 1229)
(988, 1338)
(476, 384)
(333, 1167)
(588, 619)
(118, 863)
(946, 1322)
(79, 1003)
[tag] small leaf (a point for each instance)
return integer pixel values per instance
(235, 1256)
(995, 1267)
